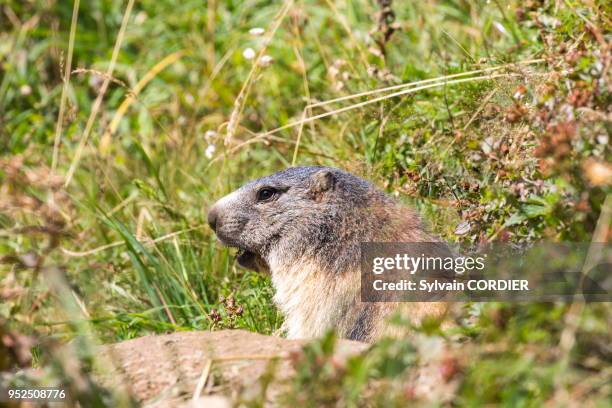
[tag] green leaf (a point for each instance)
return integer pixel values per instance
(515, 219)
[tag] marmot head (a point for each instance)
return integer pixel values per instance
(300, 209)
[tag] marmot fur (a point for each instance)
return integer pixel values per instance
(304, 225)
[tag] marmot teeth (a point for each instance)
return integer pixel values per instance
(251, 260)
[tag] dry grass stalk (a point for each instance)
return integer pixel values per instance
(98, 102)
(365, 103)
(64, 97)
(246, 87)
(127, 102)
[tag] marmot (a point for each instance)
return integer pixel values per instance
(304, 225)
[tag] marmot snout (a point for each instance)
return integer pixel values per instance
(305, 225)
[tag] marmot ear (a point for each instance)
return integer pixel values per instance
(321, 182)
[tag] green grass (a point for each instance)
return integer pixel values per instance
(129, 234)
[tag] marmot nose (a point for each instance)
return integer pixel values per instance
(212, 219)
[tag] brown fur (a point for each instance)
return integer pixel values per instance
(313, 302)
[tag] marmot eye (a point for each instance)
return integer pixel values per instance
(266, 194)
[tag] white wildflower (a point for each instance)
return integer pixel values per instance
(266, 61)
(210, 136)
(248, 54)
(500, 27)
(256, 31)
(603, 139)
(25, 90)
(210, 150)
(463, 228)
(140, 18)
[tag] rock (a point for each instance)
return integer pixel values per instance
(210, 401)
(164, 370)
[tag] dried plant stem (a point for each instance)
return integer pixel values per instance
(426, 81)
(307, 110)
(309, 107)
(299, 136)
(368, 102)
(202, 381)
(304, 119)
(127, 102)
(480, 109)
(345, 25)
(64, 97)
(98, 102)
(246, 87)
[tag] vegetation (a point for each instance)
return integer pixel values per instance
(122, 121)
